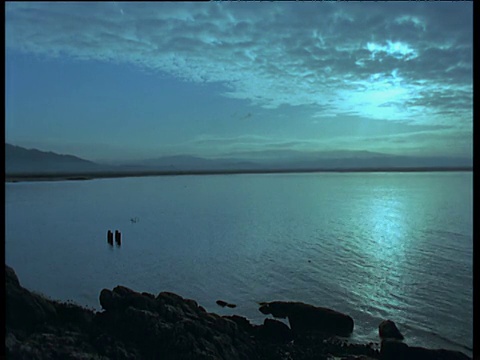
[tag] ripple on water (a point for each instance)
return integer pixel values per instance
(374, 246)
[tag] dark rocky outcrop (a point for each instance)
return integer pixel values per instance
(243, 323)
(141, 326)
(25, 309)
(275, 331)
(308, 318)
(132, 326)
(421, 353)
(388, 330)
(392, 349)
(170, 326)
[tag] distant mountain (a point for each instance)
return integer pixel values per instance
(187, 162)
(19, 160)
(364, 160)
(347, 159)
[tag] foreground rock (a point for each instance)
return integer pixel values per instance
(25, 309)
(393, 348)
(170, 327)
(396, 350)
(144, 326)
(388, 330)
(304, 318)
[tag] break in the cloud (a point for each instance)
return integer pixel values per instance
(407, 62)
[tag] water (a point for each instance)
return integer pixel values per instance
(372, 245)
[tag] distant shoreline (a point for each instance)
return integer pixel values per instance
(105, 175)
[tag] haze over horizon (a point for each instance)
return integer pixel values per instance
(112, 81)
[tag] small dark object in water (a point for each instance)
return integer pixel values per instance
(224, 303)
(118, 237)
(110, 237)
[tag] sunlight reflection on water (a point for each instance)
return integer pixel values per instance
(374, 246)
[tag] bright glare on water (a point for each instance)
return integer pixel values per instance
(372, 245)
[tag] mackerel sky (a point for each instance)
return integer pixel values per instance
(120, 80)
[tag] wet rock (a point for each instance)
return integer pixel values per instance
(420, 353)
(224, 303)
(10, 277)
(25, 310)
(392, 349)
(111, 348)
(122, 297)
(66, 345)
(11, 344)
(275, 331)
(72, 314)
(143, 326)
(307, 318)
(388, 330)
(172, 327)
(243, 323)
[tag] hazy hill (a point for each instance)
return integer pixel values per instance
(373, 160)
(19, 160)
(340, 159)
(187, 162)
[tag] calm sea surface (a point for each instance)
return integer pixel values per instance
(372, 245)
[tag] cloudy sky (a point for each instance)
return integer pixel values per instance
(119, 80)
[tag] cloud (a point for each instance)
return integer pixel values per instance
(392, 61)
(361, 134)
(425, 143)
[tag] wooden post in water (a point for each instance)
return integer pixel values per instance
(118, 237)
(110, 237)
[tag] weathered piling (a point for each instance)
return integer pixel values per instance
(118, 237)
(110, 237)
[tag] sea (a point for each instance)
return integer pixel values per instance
(381, 245)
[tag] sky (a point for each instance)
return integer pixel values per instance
(111, 81)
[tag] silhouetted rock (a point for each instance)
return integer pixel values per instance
(421, 353)
(24, 309)
(221, 303)
(275, 331)
(224, 303)
(243, 324)
(10, 277)
(121, 297)
(167, 326)
(307, 318)
(392, 349)
(388, 330)
(170, 326)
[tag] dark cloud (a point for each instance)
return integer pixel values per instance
(304, 53)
